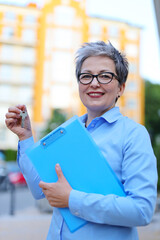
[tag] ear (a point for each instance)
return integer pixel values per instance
(121, 89)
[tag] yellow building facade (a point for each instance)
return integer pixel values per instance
(125, 38)
(18, 63)
(37, 68)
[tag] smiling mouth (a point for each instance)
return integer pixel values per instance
(95, 94)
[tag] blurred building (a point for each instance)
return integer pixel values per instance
(37, 68)
(125, 38)
(18, 62)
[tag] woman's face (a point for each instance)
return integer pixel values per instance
(99, 98)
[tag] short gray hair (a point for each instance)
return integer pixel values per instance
(100, 48)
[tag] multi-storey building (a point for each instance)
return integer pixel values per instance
(126, 38)
(18, 58)
(37, 68)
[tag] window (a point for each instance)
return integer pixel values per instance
(64, 15)
(113, 31)
(10, 16)
(132, 68)
(8, 32)
(25, 94)
(132, 86)
(27, 75)
(5, 72)
(61, 66)
(132, 34)
(63, 38)
(131, 104)
(28, 55)
(131, 50)
(30, 19)
(95, 28)
(6, 52)
(29, 35)
(5, 93)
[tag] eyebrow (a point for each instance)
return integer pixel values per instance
(89, 71)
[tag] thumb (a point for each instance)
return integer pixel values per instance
(42, 184)
(59, 172)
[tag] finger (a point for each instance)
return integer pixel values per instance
(12, 115)
(10, 121)
(22, 107)
(43, 185)
(59, 172)
(14, 110)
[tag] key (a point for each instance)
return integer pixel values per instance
(23, 114)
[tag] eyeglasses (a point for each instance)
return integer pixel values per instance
(104, 78)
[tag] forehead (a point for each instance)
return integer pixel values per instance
(98, 63)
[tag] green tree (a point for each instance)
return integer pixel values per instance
(56, 119)
(152, 118)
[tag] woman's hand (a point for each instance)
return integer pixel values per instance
(13, 122)
(57, 193)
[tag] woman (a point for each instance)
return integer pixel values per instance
(101, 73)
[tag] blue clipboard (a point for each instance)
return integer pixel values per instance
(82, 163)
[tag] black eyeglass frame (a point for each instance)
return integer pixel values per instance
(96, 76)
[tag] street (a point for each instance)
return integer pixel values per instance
(22, 199)
(29, 223)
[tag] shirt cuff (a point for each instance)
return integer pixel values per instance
(24, 144)
(75, 200)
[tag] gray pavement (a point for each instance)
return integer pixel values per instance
(29, 223)
(26, 224)
(152, 231)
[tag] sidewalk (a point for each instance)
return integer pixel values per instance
(152, 231)
(31, 224)
(25, 225)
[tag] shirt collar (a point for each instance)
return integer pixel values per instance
(110, 116)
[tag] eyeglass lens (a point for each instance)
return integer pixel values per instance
(104, 78)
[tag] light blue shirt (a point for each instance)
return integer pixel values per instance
(127, 148)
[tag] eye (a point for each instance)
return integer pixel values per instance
(85, 76)
(105, 76)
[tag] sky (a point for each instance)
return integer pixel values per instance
(136, 12)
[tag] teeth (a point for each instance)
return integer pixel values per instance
(95, 94)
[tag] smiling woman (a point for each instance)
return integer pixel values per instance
(101, 73)
(101, 93)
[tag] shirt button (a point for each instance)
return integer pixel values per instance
(92, 125)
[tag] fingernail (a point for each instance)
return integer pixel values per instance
(57, 165)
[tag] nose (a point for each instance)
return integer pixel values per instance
(94, 82)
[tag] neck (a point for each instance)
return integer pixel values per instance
(92, 115)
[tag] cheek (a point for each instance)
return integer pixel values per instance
(81, 95)
(112, 89)
(82, 90)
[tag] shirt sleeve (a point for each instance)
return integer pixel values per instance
(30, 174)
(139, 177)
